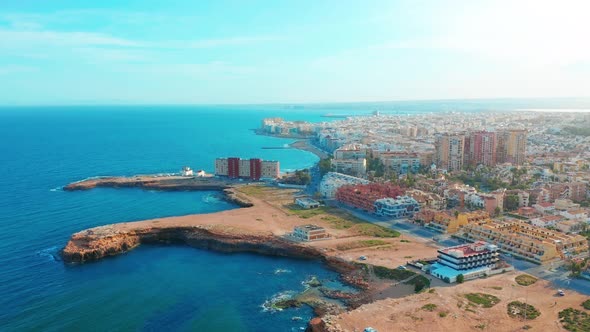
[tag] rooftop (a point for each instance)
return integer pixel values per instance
(310, 227)
(466, 250)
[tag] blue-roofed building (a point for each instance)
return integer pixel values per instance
(472, 260)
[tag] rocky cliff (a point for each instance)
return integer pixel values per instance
(165, 183)
(100, 242)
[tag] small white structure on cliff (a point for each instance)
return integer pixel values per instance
(310, 233)
(307, 203)
(186, 171)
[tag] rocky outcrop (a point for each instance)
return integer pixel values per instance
(234, 197)
(316, 324)
(164, 183)
(100, 242)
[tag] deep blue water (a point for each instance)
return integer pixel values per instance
(152, 288)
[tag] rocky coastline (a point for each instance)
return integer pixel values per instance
(257, 228)
(165, 183)
(111, 240)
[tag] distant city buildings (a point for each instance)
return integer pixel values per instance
(280, 127)
(455, 152)
(527, 165)
(253, 169)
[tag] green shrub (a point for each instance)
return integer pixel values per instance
(574, 320)
(525, 280)
(429, 307)
(485, 300)
(522, 310)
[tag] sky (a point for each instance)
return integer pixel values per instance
(305, 51)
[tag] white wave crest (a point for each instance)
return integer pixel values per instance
(270, 304)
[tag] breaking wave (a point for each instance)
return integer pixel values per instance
(270, 304)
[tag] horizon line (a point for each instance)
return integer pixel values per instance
(483, 99)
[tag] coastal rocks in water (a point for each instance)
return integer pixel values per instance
(336, 294)
(287, 303)
(281, 301)
(312, 282)
(232, 196)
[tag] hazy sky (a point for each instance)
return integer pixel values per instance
(146, 51)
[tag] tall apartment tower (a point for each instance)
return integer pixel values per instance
(511, 146)
(482, 148)
(450, 149)
(233, 167)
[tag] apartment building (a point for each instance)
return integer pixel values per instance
(332, 181)
(527, 241)
(355, 167)
(511, 146)
(253, 169)
(469, 256)
(399, 207)
(482, 148)
(363, 196)
(470, 260)
(450, 151)
(402, 163)
(446, 223)
(270, 169)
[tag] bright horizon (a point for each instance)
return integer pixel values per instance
(285, 52)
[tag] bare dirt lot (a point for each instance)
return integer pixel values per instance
(447, 309)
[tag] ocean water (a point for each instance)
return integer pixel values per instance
(152, 288)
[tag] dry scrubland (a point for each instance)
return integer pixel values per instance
(491, 304)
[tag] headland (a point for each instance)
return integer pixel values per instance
(261, 228)
(165, 183)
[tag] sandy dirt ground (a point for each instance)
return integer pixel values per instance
(406, 314)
